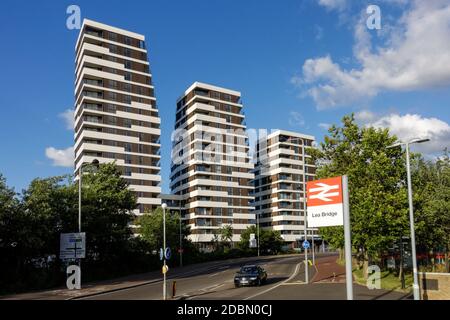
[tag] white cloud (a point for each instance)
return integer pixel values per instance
(334, 4)
(415, 56)
(365, 116)
(324, 126)
(296, 119)
(68, 117)
(410, 126)
(61, 158)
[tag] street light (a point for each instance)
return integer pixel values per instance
(164, 206)
(95, 163)
(411, 213)
(181, 239)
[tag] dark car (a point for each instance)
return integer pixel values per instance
(250, 275)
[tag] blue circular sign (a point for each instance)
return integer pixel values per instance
(305, 244)
(168, 253)
(161, 254)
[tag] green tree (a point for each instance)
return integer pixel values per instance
(151, 230)
(378, 199)
(226, 235)
(270, 241)
(431, 184)
(106, 205)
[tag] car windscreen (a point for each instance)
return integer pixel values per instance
(249, 270)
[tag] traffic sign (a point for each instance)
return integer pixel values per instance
(72, 246)
(325, 203)
(305, 244)
(165, 268)
(168, 253)
(161, 254)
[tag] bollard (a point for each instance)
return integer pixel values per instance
(174, 289)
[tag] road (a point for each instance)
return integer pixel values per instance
(216, 281)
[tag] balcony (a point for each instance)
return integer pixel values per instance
(98, 83)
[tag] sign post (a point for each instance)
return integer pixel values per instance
(328, 205)
(72, 246)
(348, 239)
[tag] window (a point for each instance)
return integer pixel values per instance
(112, 84)
(112, 36)
(112, 48)
(128, 41)
(128, 64)
(113, 95)
(128, 76)
(127, 52)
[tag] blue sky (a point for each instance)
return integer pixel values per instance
(300, 65)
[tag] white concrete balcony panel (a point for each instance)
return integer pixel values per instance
(154, 131)
(138, 117)
(153, 201)
(89, 159)
(109, 136)
(288, 227)
(139, 188)
(104, 50)
(206, 204)
(250, 216)
(143, 176)
(98, 148)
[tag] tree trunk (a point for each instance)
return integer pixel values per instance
(365, 264)
(447, 264)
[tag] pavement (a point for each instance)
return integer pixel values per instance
(214, 281)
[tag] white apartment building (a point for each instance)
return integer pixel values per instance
(279, 184)
(116, 116)
(211, 166)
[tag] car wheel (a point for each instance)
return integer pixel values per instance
(236, 285)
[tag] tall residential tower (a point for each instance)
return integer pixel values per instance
(116, 116)
(279, 183)
(211, 167)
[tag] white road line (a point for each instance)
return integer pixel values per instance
(213, 275)
(276, 286)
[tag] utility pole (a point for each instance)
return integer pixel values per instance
(304, 208)
(181, 240)
(257, 225)
(164, 206)
(416, 290)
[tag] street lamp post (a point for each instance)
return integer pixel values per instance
(257, 229)
(94, 162)
(304, 209)
(164, 206)
(416, 290)
(181, 241)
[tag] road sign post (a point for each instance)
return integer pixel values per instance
(328, 205)
(348, 240)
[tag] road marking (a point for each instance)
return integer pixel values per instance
(224, 267)
(202, 291)
(293, 283)
(297, 267)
